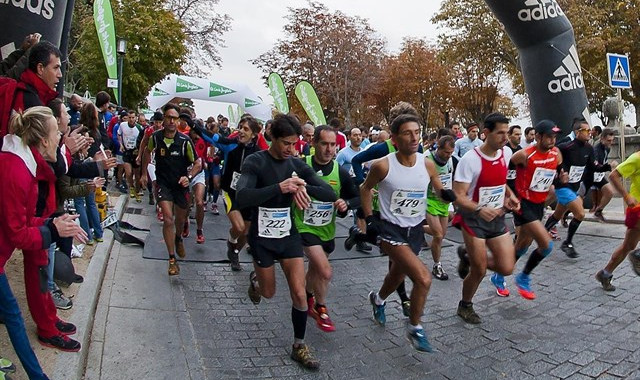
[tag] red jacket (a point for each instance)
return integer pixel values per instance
(27, 99)
(21, 168)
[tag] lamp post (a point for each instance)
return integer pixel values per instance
(121, 49)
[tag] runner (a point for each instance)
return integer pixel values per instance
(235, 150)
(317, 224)
(402, 179)
(269, 184)
(156, 125)
(197, 187)
(174, 153)
(630, 168)
(437, 209)
(536, 168)
(129, 145)
(480, 185)
(602, 190)
(578, 156)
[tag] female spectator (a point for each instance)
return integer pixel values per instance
(86, 206)
(23, 165)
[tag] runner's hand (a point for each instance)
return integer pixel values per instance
(67, 227)
(512, 203)
(631, 201)
(488, 214)
(291, 185)
(301, 198)
(564, 176)
(183, 181)
(143, 181)
(98, 182)
(341, 205)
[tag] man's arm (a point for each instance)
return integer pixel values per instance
(376, 151)
(378, 171)
(315, 186)
(247, 194)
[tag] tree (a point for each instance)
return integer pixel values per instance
(338, 54)
(417, 76)
(481, 57)
(204, 28)
(156, 47)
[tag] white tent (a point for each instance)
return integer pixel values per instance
(208, 89)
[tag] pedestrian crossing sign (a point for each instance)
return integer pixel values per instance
(618, 69)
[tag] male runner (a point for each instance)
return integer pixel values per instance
(437, 209)
(480, 185)
(317, 224)
(270, 182)
(630, 168)
(174, 153)
(402, 178)
(128, 139)
(535, 171)
(198, 185)
(577, 157)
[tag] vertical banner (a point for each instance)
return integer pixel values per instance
(309, 100)
(21, 18)
(232, 116)
(103, 18)
(276, 87)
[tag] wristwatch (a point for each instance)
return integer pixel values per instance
(189, 177)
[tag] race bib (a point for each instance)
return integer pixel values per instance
(234, 180)
(491, 196)
(598, 177)
(318, 214)
(407, 203)
(274, 223)
(130, 142)
(446, 180)
(575, 174)
(542, 180)
(351, 173)
(511, 174)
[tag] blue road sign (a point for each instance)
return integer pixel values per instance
(618, 69)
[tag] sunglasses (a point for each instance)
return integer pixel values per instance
(171, 118)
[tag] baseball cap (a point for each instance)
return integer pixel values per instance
(157, 116)
(547, 127)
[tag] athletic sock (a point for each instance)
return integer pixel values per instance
(465, 303)
(551, 222)
(402, 292)
(299, 320)
(535, 259)
(233, 240)
(413, 328)
(172, 256)
(573, 227)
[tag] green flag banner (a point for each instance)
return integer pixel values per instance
(103, 18)
(183, 85)
(309, 100)
(276, 87)
(232, 116)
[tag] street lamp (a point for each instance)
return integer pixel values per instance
(121, 49)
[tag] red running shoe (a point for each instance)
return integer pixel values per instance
(321, 316)
(199, 237)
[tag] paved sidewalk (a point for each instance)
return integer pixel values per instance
(201, 325)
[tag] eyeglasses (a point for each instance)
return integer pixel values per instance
(171, 118)
(584, 130)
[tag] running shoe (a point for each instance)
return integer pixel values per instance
(214, 209)
(66, 328)
(61, 342)
(553, 232)
(233, 256)
(90, 242)
(501, 286)
(468, 314)
(406, 308)
(350, 241)
(321, 315)
(254, 294)
(439, 273)
(132, 192)
(180, 247)
(605, 281)
(598, 215)
(185, 229)
(174, 269)
(138, 198)
(565, 221)
(151, 200)
(568, 249)
(363, 247)
(378, 310)
(199, 237)
(419, 340)
(463, 265)
(524, 287)
(99, 240)
(6, 366)
(634, 259)
(60, 300)
(301, 354)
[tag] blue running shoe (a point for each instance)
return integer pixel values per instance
(501, 287)
(378, 310)
(419, 340)
(522, 282)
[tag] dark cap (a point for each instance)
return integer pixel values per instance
(123, 113)
(186, 117)
(547, 127)
(157, 116)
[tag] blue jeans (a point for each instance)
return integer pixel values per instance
(89, 217)
(51, 266)
(10, 312)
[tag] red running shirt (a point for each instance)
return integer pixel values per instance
(490, 187)
(534, 180)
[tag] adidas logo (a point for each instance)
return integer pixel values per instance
(540, 10)
(569, 74)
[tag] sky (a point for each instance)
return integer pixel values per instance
(257, 25)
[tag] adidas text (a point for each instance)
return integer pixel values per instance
(540, 10)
